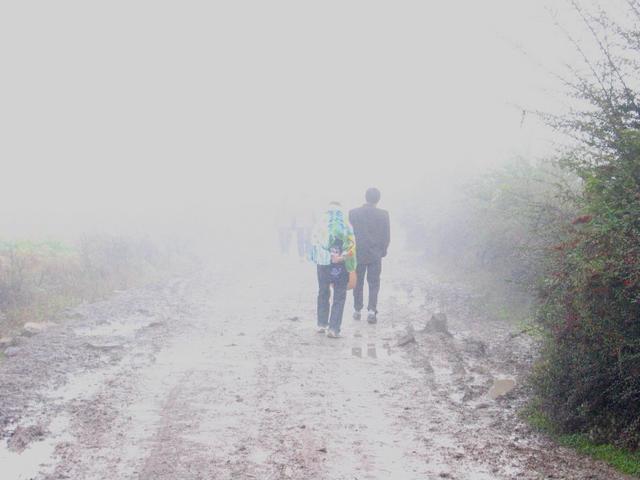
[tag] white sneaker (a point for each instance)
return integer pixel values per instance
(321, 329)
(332, 334)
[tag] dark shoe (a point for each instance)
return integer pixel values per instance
(372, 317)
(357, 315)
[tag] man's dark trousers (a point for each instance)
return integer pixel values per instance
(336, 275)
(372, 271)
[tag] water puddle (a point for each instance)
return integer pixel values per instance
(368, 349)
(501, 387)
(126, 327)
(37, 457)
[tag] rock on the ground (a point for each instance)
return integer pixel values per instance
(31, 328)
(437, 324)
(406, 339)
(104, 346)
(11, 351)
(6, 342)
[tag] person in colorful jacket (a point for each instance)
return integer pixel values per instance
(333, 250)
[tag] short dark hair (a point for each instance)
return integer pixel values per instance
(372, 195)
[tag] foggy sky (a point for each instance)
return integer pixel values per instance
(117, 114)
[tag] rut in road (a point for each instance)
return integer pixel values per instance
(217, 376)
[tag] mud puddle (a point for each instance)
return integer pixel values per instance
(36, 456)
(501, 387)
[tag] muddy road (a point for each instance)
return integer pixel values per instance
(220, 375)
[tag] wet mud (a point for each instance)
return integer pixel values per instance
(221, 375)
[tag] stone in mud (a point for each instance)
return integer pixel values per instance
(11, 352)
(406, 339)
(437, 324)
(23, 436)
(475, 347)
(156, 324)
(105, 347)
(31, 328)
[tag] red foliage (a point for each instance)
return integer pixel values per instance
(582, 219)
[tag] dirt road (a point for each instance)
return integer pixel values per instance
(221, 375)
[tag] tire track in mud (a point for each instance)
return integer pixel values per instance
(78, 401)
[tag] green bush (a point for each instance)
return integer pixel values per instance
(589, 379)
(496, 230)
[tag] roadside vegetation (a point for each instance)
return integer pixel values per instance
(38, 280)
(565, 232)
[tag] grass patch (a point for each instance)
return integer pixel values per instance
(622, 460)
(39, 280)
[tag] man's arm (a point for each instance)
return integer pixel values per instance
(386, 239)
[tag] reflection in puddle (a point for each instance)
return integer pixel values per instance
(36, 458)
(371, 350)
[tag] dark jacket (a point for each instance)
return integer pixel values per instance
(372, 231)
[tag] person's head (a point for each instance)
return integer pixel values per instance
(372, 196)
(335, 205)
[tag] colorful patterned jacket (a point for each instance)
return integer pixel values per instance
(333, 230)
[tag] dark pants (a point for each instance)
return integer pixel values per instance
(372, 271)
(337, 276)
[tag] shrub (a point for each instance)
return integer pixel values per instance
(588, 380)
(38, 280)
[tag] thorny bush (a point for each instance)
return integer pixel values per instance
(588, 378)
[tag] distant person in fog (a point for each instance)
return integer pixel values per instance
(373, 235)
(333, 250)
(304, 221)
(285, 224)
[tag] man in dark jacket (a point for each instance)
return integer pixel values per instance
(373, 234)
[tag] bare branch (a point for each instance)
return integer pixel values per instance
(605, 51)
(633, 4)
(586, 60)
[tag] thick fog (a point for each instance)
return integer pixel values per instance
(156, 117)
